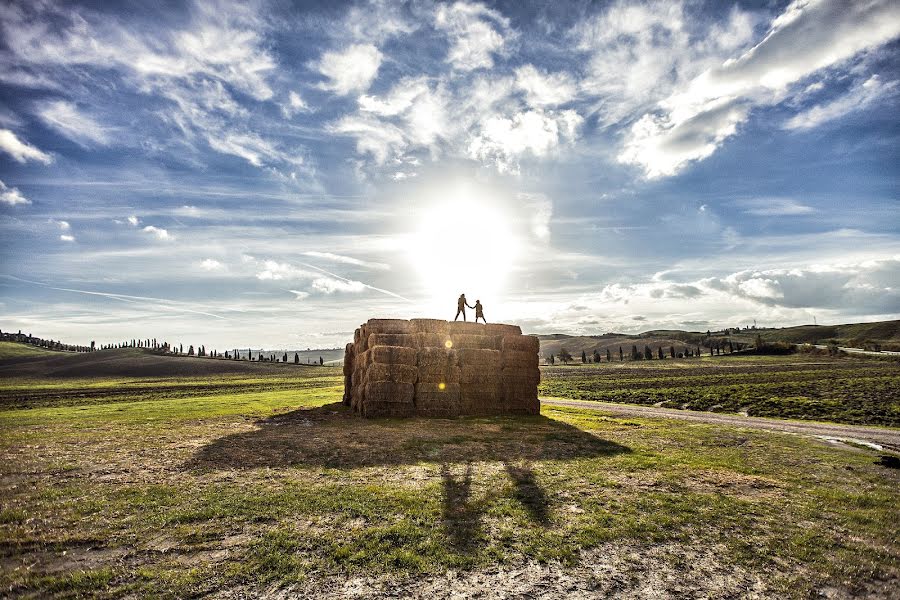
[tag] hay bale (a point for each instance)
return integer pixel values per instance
(434, 401)
(479, 375)
(523, 343)
(436, 357)
(438, 375)
(393, 339)
(348, 388)
(517, 358)
(399, 355)
(461, 327)
(349, 355)
(481, 358)
(480, 399)
(434, 326)
(502, 329)
(395, 373)
(432, 340)
(514, 376)
(465, 341)
(388, 326)
(385, 392)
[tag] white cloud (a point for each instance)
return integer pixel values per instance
(775, 207)
(275, 271)
(351, 70)
(808, 36)
(348, 260)
(299, 294)
(858, 98)
(66, 119)
(221, 46)
(639, 53)
(211, 264)
(21, 151)
(12, 196)
(543, 89)
(160, 233)
(294, 105)
(330, 285)
(67, 238)
(373, 136)
(472, 30)
(63, 225)
(133, 220)
(503, 141)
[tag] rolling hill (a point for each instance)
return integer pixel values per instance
(20, 360)
(883, 333)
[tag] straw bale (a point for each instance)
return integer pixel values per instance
(463, 327)
(393, 355)
(438, 375)
(515, 376)
(349, 354)
(435, 326)
(481, 358)
(393, 339)
(388, 326)
(517, 358)
(432, 340)
(523, 343)
(395, 373)
(479, 375)
(464, 341)
(436, 357)
(384, 392)
(502, 329)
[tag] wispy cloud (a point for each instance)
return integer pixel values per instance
(697, 118)
(348, 260)
(68, 120)
(21, 151)
(857, 98)
(775, 207)
(12, 196)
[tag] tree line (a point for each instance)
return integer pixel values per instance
(158, 346)
(715, 349)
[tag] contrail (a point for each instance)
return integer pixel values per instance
(165, 304)
(371, 287)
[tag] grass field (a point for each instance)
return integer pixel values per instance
(844, 390)
(174, 487)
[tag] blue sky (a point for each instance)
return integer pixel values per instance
(273, 174)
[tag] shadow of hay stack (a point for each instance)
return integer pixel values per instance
(332, 436)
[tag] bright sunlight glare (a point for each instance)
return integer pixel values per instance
(463, 245)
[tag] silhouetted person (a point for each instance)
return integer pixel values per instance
(461, 305)
(479, 312)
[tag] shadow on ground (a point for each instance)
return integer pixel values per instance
(332, 436)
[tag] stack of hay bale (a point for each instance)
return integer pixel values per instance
(430, 367)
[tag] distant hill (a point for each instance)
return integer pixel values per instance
(885, 334)
(122, 362)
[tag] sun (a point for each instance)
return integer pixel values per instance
(463, 244)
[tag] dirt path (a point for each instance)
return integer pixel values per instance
(880, 436)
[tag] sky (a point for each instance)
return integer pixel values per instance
(273, 174)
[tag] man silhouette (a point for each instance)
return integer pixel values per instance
(479, 312)
(461, 305)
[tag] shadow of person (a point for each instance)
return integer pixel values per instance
(529, 493)
(332, 436)
(461, 516)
